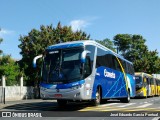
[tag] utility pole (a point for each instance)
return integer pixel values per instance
(3, 87)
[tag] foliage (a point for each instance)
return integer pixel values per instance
(10, 69)
(133, 48)
(107, 43)
(150, 62)
(37, 40)
(0, 43)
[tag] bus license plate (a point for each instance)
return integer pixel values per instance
(58, 95)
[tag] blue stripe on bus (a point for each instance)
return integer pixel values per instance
(62, 86)
(46, 85)
(113, 85)
(119, 90)
(64, 46)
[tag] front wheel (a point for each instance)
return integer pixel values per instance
(127, 99)
(97, 101)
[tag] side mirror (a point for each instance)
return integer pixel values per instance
(83, 56)
(35, 60)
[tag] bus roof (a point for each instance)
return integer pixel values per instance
(143, 73)
(83, 43)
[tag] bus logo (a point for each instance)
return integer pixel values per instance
(109, 74)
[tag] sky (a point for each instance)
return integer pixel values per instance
(99, 18)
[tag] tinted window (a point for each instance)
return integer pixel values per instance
(138, 79)
(90, 55)
(116, 64)
(104, 59)
(152, 81)
(110, 61)
(129, 68)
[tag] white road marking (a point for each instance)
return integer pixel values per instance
(127, 105)
(156, 118)
(109, 104)
(145, 105)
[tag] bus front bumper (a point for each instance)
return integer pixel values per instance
(139, 94)
(65, 94)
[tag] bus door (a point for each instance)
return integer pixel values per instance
(152, 86)
(148, 87)
(156, 80)
(145, 87)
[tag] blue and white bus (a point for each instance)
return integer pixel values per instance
(85, 70)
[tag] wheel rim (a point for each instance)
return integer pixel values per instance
(97, 97)
(129, 97)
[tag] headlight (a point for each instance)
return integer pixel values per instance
(42, 88)
(77, 87)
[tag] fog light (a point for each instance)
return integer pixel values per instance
(77, 94)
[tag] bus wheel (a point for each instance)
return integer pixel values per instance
(62, 102)
(127, 99)
(97, 101)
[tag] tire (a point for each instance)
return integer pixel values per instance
(127, 99)
(62, 102)
(97, 101)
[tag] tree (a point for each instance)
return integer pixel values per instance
(133, 48)
(10, 69)
(0, 43)
(36, 42)
(107, 43)
(122, 41)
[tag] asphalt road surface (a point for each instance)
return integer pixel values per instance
(137, 109)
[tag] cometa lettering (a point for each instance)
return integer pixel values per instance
(109, 74)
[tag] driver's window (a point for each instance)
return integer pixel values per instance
(87, 66)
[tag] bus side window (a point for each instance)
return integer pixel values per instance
(144, 81)
(87, 67)
(148, 82)
(116, 64)
(91, 55)
(157, 82)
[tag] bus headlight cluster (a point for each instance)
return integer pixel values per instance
(77, 87)
(42, 88)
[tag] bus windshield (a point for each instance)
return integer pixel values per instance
(62, 66)
(138, 79)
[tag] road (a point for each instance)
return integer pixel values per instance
(101, 112)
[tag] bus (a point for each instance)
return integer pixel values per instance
(157, 86)
(143, 84)
(153, 87)
(85, 71)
